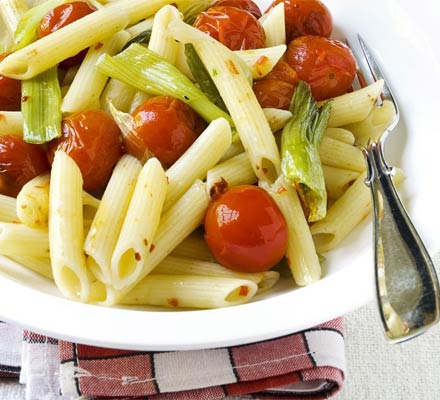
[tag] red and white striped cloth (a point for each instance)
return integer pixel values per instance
(304, 365)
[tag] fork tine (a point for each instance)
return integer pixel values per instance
(376, 72)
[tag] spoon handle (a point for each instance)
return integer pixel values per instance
(407, 287)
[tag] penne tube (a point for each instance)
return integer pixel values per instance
(301, 254)
(11, 122)
(189, 211)
(235, 171)
(41, 265)
(191, 291)
(140, 225)
(343, 135)
(140, 27)
(261, 61)
(138, 99)
(237, 93)
(337, 180)
(119, 94)
(376, 123)
(277, 118)
(194, 246)
(16, 239)
(48, 51)
(106, 226)
(345, 214)
(194, 164)
(355, 106)
(234, 149)
(335, 153)
(189, 266)
(11, 12)
(8, 207)
(66, 229)
(88, 84)
(273, 23)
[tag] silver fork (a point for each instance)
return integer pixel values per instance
(407, 287)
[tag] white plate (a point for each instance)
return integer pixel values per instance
(405, 42)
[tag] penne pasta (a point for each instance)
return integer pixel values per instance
(194, 164)
(40, 265)
(191, 291)
(338, 154)
(11, 12)
(277, 118)
(343, 135)
(231, 81)
(66, 229)
(106, 226)
(355, 106)
(119, 94)
(301, 255)
(194, 246)
(88, 84)
(15, 238)
(273, 23)
(140, 225)
(8, 207)
(189, 211)
(337, 180)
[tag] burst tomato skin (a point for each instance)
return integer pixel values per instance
(327, 65)
(61, 16)
(245, 229)
(247, 5)
(276, 89)
(94, 142)
(10, 91)
(306, 17)
(237, 29)
(163, 126)
(19, 163)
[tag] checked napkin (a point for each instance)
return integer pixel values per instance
(304, 365)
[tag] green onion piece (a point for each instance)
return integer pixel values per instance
(41, 107)
(147, 71)
(26, 31)
(202, 77)
(143, 38)
(300, 142)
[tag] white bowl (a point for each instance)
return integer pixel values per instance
(405, 42)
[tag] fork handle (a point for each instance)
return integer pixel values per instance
(407, 287)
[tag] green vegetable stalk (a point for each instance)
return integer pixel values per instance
(300, 141)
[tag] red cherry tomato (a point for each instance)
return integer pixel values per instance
(164, 127)
(19, 163)
(10, 92)
(61, 16)
(306, 17)
(247, 5)
(236, 29)
(245, 229)
(327, 65)
(94, 141)
(276, 89)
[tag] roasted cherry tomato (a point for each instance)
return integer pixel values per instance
(245, 229)
(94, 141)
(306, 17)
(327, 65)
(10, 92)
(61, 16)
(247, 5)
(276, 89)
(235, 28)
(19, 163)
(164, 127)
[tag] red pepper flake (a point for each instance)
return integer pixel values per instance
(173, 302)
(232, 68)
(25, 98)
(98, 45)
(218, 188)
(281, 190)
(244, 290)
(16, 222)
(23, 206)
(145, 242)
(260, 64)
(2, 116)
(152, 247)
(265, 171)
(137, 256)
